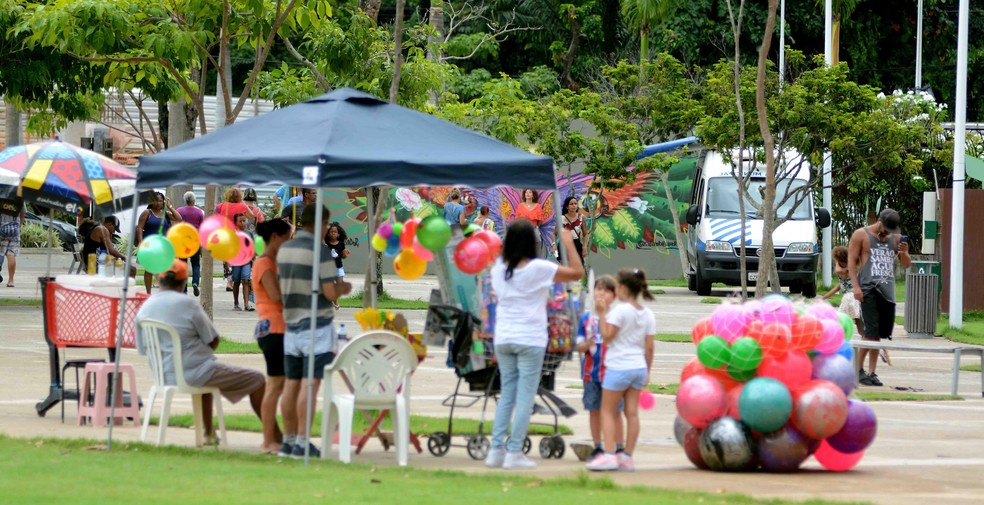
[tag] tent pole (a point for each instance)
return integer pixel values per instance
(369, 291)
(119, 325)
(51, 224)
(558, 212)
(315, 295)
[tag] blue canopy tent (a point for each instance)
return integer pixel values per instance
(345, 138)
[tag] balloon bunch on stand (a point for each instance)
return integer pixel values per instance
(413, 243)
(769, 388)
(216, 234)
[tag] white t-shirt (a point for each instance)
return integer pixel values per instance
(521, 311)
(628, 350)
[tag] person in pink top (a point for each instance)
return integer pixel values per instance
(232, 205)
(194, 216)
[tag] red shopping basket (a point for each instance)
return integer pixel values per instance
(83, 319)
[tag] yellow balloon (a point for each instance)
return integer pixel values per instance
(223, 244)
(378, 242)
(184, 238)
(408, 265)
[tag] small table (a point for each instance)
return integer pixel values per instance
(83, 311)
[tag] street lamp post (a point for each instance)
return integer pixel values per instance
(959, 168)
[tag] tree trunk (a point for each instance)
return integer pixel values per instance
(14, 134)
(643, 46)
(767, 259)
(371, 8)
(394, 95)
(742, 256)
(434, 51)
(680, 238)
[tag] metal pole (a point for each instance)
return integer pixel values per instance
(828, 51)
(315, 296)
(369, 291)
(119, 323)
(959, 167)
(782, 42)
(919, 30)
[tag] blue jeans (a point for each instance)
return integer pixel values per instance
(519, 372)
(196, 267)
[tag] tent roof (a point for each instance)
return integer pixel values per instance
(346, 138)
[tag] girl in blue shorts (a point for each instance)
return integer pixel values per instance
(628, 329)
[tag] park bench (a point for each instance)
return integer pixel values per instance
(956, 351)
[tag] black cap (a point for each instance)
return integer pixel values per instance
(890, 219)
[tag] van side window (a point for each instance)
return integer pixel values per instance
(700, 198)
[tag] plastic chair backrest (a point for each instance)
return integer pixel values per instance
(155, 334)
(376, 364)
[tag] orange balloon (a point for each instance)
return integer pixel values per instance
(702, 328)
(775, 339)
(807, 332)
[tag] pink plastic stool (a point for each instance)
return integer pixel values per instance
(99, 409)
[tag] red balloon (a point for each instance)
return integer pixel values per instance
(471, 255)
(701, 329)
(807, 332)
(832, 459)
(792, 369)
(733, 394)
(409, 232)
(492, 241)
(694, 367)
(775, 339)
(691, 447)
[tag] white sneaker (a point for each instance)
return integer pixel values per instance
(625, 463)
(603, 463)
(517, 461)
(495, 458)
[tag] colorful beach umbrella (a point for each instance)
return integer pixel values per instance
(64, 177)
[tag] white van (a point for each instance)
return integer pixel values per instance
(714, 232)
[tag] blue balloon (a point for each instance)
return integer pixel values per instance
(846, 351)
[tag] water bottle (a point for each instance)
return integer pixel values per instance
(101, 263)
(343, 339)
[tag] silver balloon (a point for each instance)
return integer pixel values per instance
(727, 445)
(680, 427)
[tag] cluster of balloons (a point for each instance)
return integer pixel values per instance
(412, 244)
(769, 388)
(216, 234)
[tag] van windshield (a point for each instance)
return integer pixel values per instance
(722, 198)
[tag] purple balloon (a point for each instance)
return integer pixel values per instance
(859, 430)
(836, 369)
(783, 450)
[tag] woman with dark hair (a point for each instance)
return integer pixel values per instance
(529, 208)
(155, 220)
(573, 221)
(522, 283)
(270, 328)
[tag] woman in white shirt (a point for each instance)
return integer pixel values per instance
(522, 281)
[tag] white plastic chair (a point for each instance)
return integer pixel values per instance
(376, 367)
(154, 334)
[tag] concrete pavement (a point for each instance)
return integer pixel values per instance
(924, 452)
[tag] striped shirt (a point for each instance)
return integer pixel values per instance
(295, 261)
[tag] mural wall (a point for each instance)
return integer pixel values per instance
(632, 225)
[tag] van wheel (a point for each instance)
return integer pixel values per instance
(795, 287)
(810, 290)
(692, 282)
(701, 285)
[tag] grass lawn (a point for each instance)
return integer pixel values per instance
(227, 346)
(713, 300)
(971, 333)
(205, 477)
(660, 389)
(900, 396)
(384, 302)
(673, 337)
(16, 302)
(421, 425)
(679, 282)
(970, 368)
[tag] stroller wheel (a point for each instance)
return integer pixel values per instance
(438, 443)
(546, 447)
(558, 446)
(478, 447)
(527, 445)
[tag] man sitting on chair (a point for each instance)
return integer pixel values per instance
(199, 338)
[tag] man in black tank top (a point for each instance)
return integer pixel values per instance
(871, 263)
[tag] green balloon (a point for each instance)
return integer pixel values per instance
(259, 245)
(746, 354)
(713, 351)
(434, 233)
(155, 254)
(848, 324)
(397, 229)
(740, 375)
(765, 404)
(472, 228)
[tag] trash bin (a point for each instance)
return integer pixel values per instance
(922, 298)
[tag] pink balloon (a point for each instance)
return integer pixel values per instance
(471, 255)
(777, 309)
(753, 310)
(700, 400)
(730, 322)
(834, 460)
(212, 223)
(792, 369)
(647, 401)
(492, 241)
(819, 409)
(385, 230)
(422, 252)
(247, 249)
(822, 310)
(833, 337)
